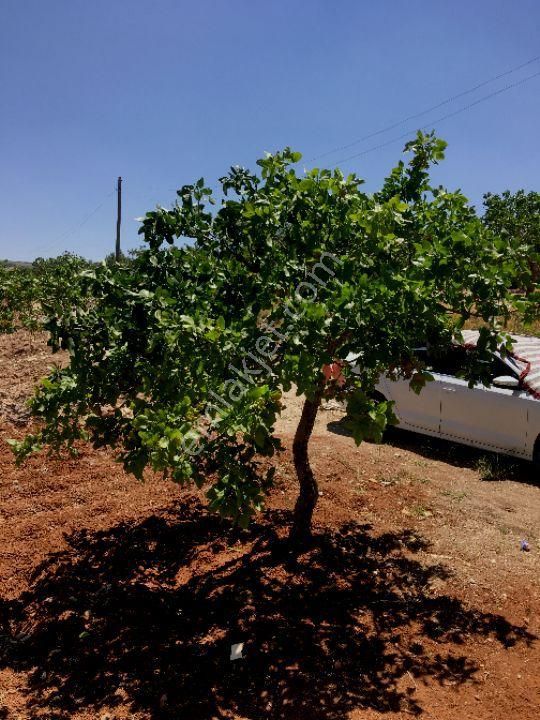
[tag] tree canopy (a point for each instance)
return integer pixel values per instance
(516, 217)
(181, 357)
(31, 291)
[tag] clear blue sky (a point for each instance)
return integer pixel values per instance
(164, 91)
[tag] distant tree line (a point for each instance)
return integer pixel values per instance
(516, 217)
(30, 292)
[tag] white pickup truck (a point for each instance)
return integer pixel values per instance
(503, 417)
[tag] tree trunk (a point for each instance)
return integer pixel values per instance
(300, 531)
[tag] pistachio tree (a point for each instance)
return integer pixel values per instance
(29, 292)
(516, 217)
(181, 359)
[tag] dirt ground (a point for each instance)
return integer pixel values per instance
(121, 600)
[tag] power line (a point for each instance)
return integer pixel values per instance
(427, 110)
(77, 227)
(440, 119)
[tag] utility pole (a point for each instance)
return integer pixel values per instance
(118, 219)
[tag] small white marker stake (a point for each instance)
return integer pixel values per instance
(236, 651)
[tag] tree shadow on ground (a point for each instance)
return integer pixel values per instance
(143, 615)
(491, 466)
